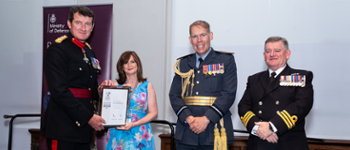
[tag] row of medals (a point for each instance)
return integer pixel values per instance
(293, 80)
(213, 69)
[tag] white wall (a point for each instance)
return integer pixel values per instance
(138, 25)
(141, 26)
(21, 67)
(158, 31)
(318, 35)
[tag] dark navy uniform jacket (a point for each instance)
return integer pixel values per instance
(223, 86)
(66, 117)
(265, 100)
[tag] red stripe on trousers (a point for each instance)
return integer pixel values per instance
(54, 145)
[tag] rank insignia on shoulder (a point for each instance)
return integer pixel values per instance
(88, 45)
(213, 69)
(293, 80)
(185, 56)
(224, 52)
(60, 39)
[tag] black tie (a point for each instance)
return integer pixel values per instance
(272, 76)
(200, 61)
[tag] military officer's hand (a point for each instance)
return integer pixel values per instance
(273, 138)
(200, 124)
(96, 122)
(190, 119)
(104, 83)
(264, 130)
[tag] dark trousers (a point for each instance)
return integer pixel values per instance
(193, 147)
(63, 145)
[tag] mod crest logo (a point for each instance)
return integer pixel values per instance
(53, 18)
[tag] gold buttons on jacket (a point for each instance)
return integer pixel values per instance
(89, 88)
(260, 102)
(78, 124)
(90, 76)
(260, 112)
(80, 69)
(197, 93)
(277, 102)
(198, 71)
(277, 112)
(197, 82)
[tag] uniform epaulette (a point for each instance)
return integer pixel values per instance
(88, 45)
(185, 56)
(60, 39)
(224, 52)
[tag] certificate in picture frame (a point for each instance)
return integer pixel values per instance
(114, 105)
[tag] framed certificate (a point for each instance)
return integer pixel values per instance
(114, 104)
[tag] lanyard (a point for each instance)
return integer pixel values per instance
(132, 93)
(128, 120)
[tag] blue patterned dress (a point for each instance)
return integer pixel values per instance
(139, 137)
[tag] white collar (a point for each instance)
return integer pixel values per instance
(278, 71)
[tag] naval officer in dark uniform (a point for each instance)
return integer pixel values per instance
(276, 102)
(202, 92)
(71, 69)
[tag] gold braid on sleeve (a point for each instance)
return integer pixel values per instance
(185, 76)
(288, 119)
(245, 119)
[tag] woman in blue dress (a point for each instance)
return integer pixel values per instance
(136, 134)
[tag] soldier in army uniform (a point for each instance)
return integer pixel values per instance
(202, 92)
(276, 102)
(71, 69)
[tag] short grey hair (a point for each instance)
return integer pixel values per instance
(276, 39)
